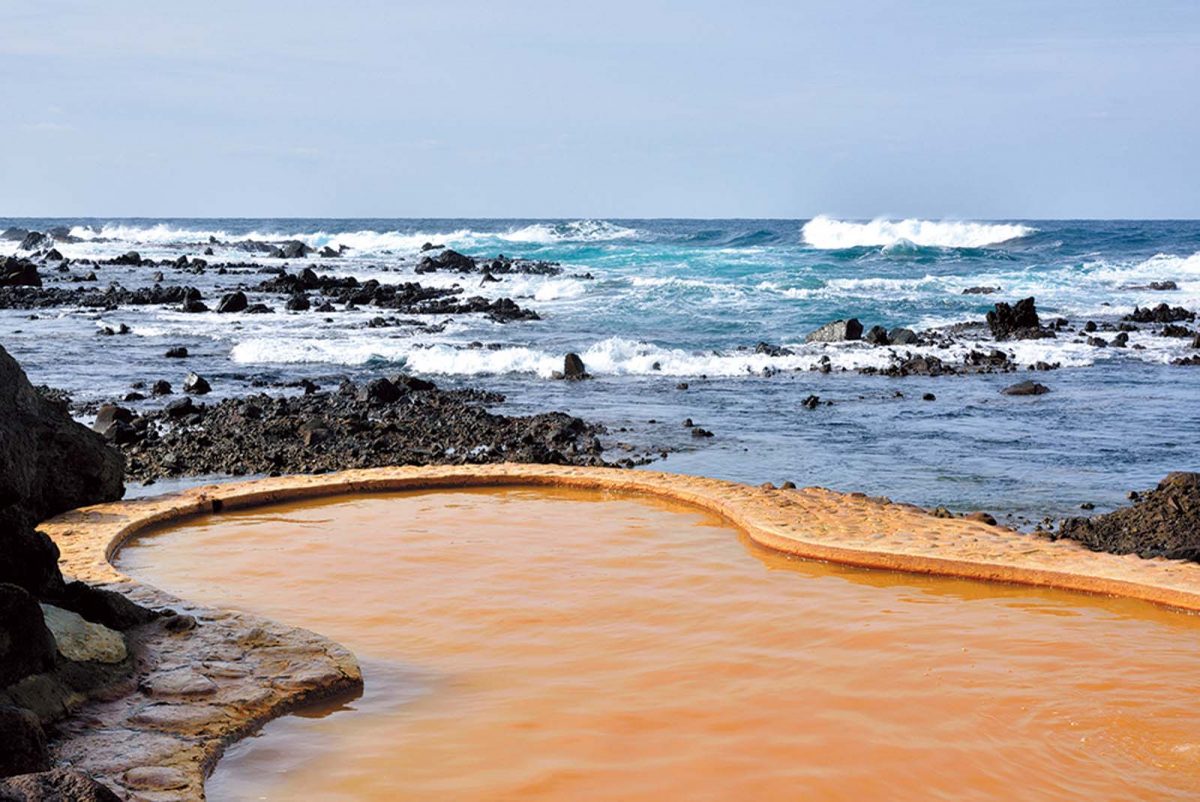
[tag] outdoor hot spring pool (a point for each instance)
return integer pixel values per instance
(577, 645)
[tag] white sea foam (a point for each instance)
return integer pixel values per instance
(620, 356)
(574, 231)
(364, 241)
(827, 233)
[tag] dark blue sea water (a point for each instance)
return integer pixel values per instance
(672, 301)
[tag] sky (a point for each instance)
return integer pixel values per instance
(457, 108)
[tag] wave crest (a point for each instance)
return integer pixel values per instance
(365, 241)
(574, 231)
(826, 233)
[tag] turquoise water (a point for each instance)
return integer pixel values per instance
(671, 301)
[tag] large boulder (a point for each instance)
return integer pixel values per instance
(573, 368)
(28, 558)
(196, 384)
(837, 331)
(1163, 522)
(447, 260)
(26, 645)
(34, 240)
(58, 785)
(81, 640)
(24, 742)
(292, 249)
(233, 302)
(48, 462)
(16, 272)
(1018, 321)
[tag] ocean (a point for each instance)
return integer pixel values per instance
(651, 304)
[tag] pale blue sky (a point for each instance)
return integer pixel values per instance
(606, 109)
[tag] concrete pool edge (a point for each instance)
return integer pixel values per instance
(199, 691)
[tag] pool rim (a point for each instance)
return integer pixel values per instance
(812, 523)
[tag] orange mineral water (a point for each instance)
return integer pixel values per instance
(541, 644)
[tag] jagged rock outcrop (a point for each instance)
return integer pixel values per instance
(48, 462)
(1163, 522)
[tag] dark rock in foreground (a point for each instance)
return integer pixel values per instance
(26, 646)
(395, 421)
(24, 742)
(48, 462)
(1164, 522)
(59, 785)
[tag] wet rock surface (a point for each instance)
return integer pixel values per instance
(1018, 321)
(837, 331)
(58, 785)
(1163, 522)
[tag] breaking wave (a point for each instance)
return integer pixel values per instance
(826, 233)
(363, 241)
(621, 356)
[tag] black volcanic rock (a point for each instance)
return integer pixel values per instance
(233, 302)
(26, 645)
(1162, 313)
(836, 331)
(16, 272)
(1026, 388)
(399, 420)
(49, 463)
(24, 742)
(1016, 322)
(1163, 522)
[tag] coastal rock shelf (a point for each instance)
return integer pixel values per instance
(200, 689)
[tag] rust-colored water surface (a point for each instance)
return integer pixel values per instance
(570, 645)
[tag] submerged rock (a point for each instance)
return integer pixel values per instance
(1026, 388)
